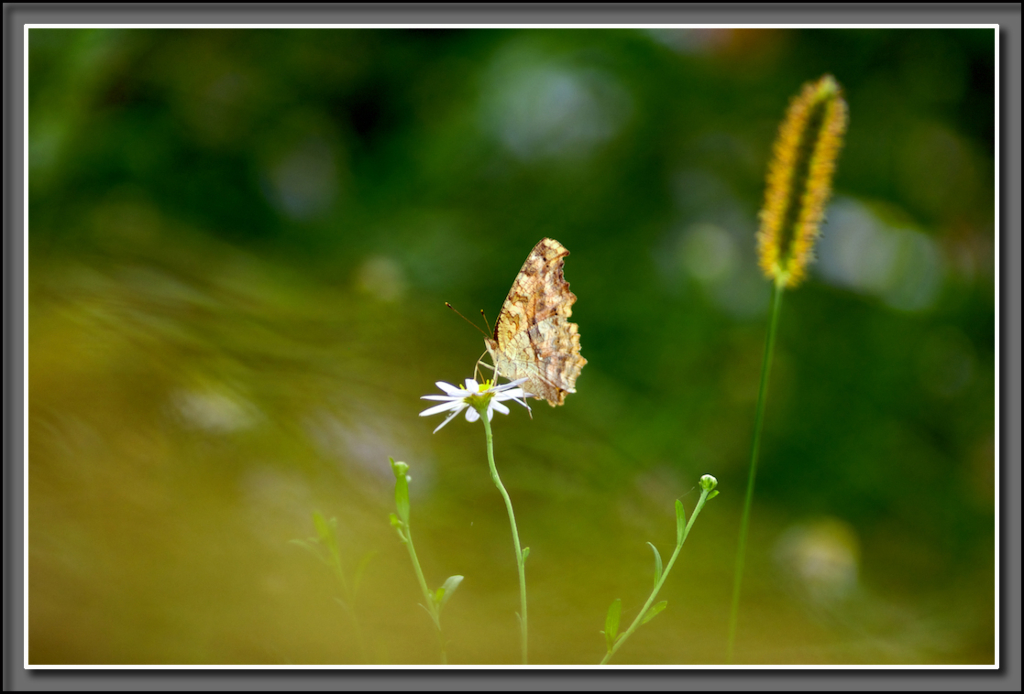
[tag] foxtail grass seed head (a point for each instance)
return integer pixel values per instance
(800, 180)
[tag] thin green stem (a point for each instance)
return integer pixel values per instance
(515, 531)
(664, 575)
(428, 597)
(755, 447)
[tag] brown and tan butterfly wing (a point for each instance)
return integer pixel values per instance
(533, 337)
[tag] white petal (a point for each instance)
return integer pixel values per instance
(449, 398)
(472, 386)
(458, 405)
(511, 394)
(472, 415)
(523, 403)
(490, 413)
(447, 419)
(511, 384)
(449, 388)
(495, 405)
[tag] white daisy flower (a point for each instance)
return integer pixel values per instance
(474, 396)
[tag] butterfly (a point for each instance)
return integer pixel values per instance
(533, 337)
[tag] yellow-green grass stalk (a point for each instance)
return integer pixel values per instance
(798, 188)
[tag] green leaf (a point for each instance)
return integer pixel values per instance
(712, 495)
(323, 528)
(657, 564)
(311, 546)
(448, 588)
(397, 525)
(654, 611)
(361, 568)
(680, 522)
(402, 496)
(526, 553)
(611, 622)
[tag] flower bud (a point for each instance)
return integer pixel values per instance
(398, 468)
(708, 482)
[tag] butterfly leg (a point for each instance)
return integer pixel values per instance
(480, 362)
(476, 374)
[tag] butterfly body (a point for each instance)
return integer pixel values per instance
(533, 337)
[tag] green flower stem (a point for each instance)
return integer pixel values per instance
(428, 598)
(664, 575)
(515, 531)
(758, 425)
(401, 523)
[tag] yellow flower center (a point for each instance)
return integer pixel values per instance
(479, 400)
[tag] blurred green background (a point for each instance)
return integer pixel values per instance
(240, 245)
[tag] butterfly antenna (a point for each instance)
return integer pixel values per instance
(485, 322)
(466, 319)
